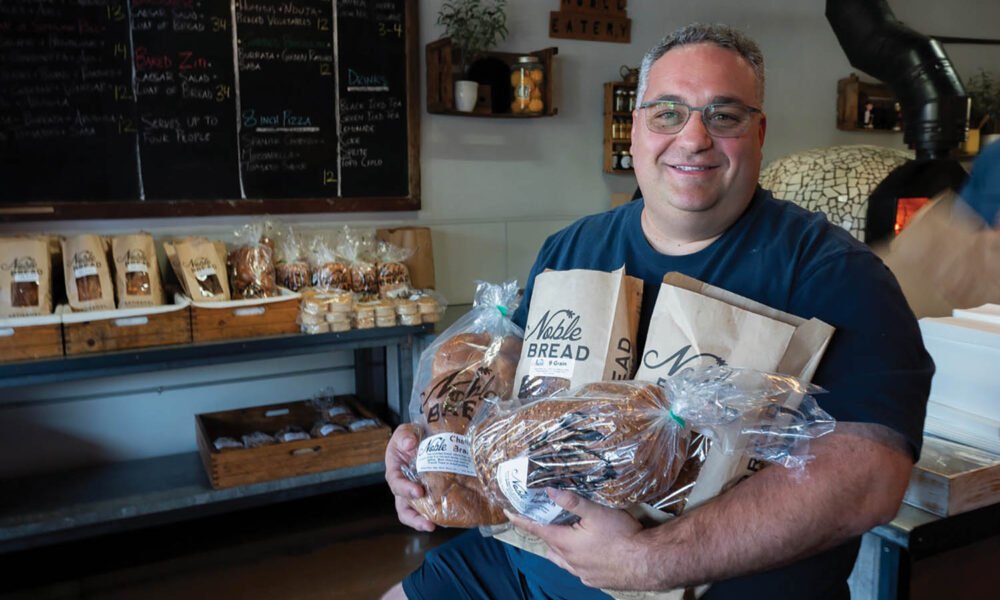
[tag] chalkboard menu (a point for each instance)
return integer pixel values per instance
(124, 108)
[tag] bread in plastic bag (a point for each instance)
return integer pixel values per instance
(473, 360)
(622, 443)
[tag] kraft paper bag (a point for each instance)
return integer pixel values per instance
(581, 328)
(25, 277)
(421, 262)
(695, 324)
(945, 259)
(88, 273)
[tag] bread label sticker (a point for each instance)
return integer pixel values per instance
(362, 424)
(340, 409)
(328, 428)
(446, 453)
(84, 271)
(204, 273)
(29, 277)
(551, 367)
(136, 267)
(512, 477)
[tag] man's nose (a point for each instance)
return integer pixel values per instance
(694, 135)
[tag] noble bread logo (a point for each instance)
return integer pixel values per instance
(202, 267)
(135, 261)
(457, 396)
(24, 269)
(677, 362)
(556, 335)
(85, 264)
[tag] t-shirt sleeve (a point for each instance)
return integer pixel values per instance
(876, 369)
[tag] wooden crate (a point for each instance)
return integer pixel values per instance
(245, 318)
(244, 466)
(30, 338)
(951, 479)
(128, 329)
(441, 81)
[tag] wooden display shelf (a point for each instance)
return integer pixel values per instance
(611, 144)
(441, 82)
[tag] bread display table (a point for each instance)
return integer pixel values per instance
(45, 509)
(919, 555)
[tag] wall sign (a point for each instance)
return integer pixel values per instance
(594, 20)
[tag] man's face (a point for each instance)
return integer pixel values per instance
(690, 171)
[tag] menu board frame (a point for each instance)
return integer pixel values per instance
(57, 209)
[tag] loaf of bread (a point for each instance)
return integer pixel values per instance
(466, 369)
(612, 442)
(251, 272)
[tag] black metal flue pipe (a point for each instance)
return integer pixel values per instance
(916, 67)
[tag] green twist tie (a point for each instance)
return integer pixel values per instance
(677, 419)
(502, 309)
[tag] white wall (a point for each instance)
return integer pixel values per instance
(493, 189)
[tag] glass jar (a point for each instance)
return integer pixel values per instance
(621, 101)
(625, 162)
(527, 78)
(631, 100)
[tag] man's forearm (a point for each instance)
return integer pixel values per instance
(778, 516)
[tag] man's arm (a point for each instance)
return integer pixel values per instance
(773, 518)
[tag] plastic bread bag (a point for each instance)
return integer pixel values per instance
(251, 264)
(393, 274)
(329, 272)
(623, 443)
(358, 248)
(473, 360)
(431, 305)
(291, 263)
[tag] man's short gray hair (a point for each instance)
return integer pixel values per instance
(699, 33)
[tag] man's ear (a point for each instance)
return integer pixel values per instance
(763, 128)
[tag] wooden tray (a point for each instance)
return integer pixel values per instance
(951, 478)
(30, 338)
(245, 318)
(127, 329)
(244, 466)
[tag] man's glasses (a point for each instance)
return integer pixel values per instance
(721, 120)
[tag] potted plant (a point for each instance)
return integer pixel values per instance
(474, 26)
(985, 93)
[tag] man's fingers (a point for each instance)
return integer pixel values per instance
(573, 503)
(410, 517)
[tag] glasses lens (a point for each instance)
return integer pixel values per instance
(666, 117)
(727, 120)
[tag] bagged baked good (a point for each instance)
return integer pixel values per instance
(358, 247)
(473, 360)
(200, 268)
(620, 443)
(393, 274)
(87, 273)
(251, 264)
(25, 277)
(291, 262)
(137, 272)
(329, 272)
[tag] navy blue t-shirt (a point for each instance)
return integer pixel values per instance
(876, 369)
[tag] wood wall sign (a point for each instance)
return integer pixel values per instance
(594, 20)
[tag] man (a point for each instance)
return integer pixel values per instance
(697, 144)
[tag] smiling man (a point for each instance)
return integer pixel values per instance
(697, 144)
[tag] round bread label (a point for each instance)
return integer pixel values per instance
(512, 477)
(446, 453)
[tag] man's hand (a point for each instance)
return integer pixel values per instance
(597, 548)
(401, 450)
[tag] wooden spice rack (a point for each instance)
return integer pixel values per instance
(613, 144)
(441, 82)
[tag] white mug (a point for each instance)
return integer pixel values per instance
(465, 95)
